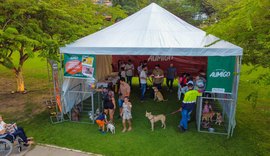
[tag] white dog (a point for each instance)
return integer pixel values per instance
(111, 127)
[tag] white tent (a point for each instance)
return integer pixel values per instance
(151, 31)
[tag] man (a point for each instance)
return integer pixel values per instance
(139, 69)
(143, 82)
(158, 77)
(129, 68)
(124, 91)
(171, 74)
(187, 106)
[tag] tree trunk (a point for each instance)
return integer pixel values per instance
(20, 80)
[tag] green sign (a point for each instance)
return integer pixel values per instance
(220, 74)
(79, 66)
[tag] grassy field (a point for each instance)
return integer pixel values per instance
(251, 136)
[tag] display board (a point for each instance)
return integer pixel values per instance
(79, 66)
(220, 74)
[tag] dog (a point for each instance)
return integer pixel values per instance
(91, 116)
(208, 116)
(110, 127)
(156, 118)
(158, 96)
(219, 119)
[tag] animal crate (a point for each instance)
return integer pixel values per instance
(215, 114)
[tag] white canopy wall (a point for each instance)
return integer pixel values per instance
(152, 31)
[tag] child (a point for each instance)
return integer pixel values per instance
(126, 114)
(123, 72)
(101, 120)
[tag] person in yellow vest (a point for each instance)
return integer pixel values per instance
(188, 104)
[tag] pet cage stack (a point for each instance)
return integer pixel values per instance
(86, 104)
(215, 113)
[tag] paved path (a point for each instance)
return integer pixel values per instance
(48, 150)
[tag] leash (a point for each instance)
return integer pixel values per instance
(173, 112)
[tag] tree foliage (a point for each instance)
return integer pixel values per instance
(245, 23)
(41, 26)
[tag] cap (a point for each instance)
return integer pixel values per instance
(190, 83)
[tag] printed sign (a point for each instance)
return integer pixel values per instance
(80, 66)
(220, 74)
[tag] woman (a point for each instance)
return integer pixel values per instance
(14, 130)
(108, 102)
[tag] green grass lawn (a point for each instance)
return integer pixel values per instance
(251, 136)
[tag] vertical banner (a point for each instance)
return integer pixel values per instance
(220, 73)
(79, 66)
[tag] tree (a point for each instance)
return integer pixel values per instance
(36, 26)
(245, 23)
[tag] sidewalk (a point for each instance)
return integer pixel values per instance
(48, 150)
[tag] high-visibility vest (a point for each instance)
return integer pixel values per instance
(191, 96)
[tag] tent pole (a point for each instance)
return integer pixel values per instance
(238, 69)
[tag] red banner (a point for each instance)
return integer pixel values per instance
(183, 64)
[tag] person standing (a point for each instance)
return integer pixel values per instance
(108, 101)
(139, 69)
(143, 82)
(129, 68)
(158, 77)
(171, 74)
(124, 91)
(182, 85)
(188, 105)
(126, 115)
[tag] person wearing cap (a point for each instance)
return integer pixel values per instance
(188, 104)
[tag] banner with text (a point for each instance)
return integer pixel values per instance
(183, 64)
(79, 66)
(220, 74)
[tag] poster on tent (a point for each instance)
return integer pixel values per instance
(220, 74)
(79, 66)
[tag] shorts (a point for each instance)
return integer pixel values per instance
(100, 123)
(108, 105)
(120, 103)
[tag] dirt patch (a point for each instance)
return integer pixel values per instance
(21, 106)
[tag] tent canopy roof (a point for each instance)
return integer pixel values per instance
(152, 31)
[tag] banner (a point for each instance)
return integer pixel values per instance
(79, 66)
(220, 74)
(183, 64)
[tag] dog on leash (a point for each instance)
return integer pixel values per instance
(110, 127)
(158, 96)
(156, 118)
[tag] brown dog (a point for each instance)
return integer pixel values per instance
(219, 118)
(208, 116)
(155, 118)
(158, 96)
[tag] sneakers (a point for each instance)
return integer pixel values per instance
(129, 129)
(124, 130)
